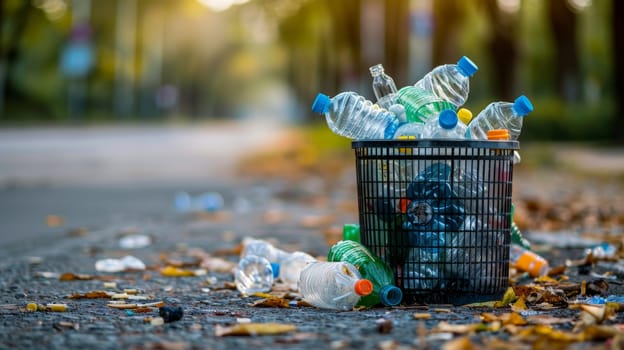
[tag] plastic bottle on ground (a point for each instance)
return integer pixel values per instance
(445, 126)
(351, 115)
(262, 248)
(500, 115)
(383, 86)
(291, 267)
(421, 105)
(205, 202)
(255, 274)
(528, 261)
(450, 82)
(333, 285)
(370, 267)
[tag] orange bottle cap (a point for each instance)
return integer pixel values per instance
(498, 134)
(531, 263)
(363, 287)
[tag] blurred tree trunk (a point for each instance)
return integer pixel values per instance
(563, 25)
(397, 39)
(503, 50)
(618, 50)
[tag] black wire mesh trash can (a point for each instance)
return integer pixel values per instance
(438, 212)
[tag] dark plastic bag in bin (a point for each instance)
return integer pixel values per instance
(437, 211)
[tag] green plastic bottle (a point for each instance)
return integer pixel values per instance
(351, 232)
(516, 235)
(421, 105)
(371, 268)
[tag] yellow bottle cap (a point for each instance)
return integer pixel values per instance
(465, 115)
(498, 134)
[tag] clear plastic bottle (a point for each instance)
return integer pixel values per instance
(263, 249)
(421, 105)
(351, 115)
(370, 267)
(291, 267)
(255, 274)
(383, 86)
(414, 130)
(333, 285)
(500, 115)
(445, 126)
(450, 82)
(526, 260)
(205, 202)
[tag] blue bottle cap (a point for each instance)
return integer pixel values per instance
(390, 295)
(522, 106)
(466, 66)
(321, 104)
(182, 201)
(448, 119)
(275, 267)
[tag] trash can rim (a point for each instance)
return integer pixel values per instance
(436, 143)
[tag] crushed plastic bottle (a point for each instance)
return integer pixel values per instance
(255, 274)
(291, 267)
(383, 86)
(602, 251)
(351, 115)
(450, 82)
(262, 248)
(500, 115)
(421, 105)
(528, 261)
(445, 126)
(333, 285)
(128, 262)
(371, 268)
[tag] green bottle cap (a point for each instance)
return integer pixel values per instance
(351, 232)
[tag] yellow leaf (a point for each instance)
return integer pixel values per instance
(255, 329)
(172, 271)
(488, 317)
(519, 305)
(546, 279)
(462, 343)
(422, 316)
(271, 301)
(508, 298)
(513, 318)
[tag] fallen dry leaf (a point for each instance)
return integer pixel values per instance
(69, 276)
(463, 343)
(179, 263)
(96, 294)
(248, 329)
(54, 220)
(172, 271)
(519, 305)
(272, 302)
(445, 327)
(422, 316)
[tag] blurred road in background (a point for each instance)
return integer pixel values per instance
(102, 176)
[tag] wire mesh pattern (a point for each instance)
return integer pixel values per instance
(438, 212)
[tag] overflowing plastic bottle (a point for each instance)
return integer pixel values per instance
(291, 267)
(383, 86)
(500, 115)
(450, 82)
(445, 126)
(351, 115)
(255, 274)
(421, 105)
(333, 285)
(370, 267)
(528, 261)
